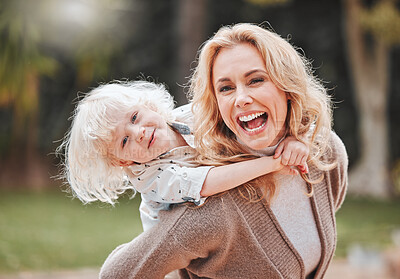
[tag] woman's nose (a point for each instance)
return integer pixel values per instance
(242, 98)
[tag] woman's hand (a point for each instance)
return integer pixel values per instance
(293, 153)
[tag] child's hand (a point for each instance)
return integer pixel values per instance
(293, 153)
(281, 168)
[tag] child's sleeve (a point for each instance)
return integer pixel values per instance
(170, 183)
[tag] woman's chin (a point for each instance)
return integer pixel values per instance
(258, 143)
(257, 146)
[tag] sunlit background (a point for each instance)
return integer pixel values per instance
(53, 50)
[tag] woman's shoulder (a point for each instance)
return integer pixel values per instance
(338, 176)
(336, 150)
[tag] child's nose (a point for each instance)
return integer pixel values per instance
(140, 134)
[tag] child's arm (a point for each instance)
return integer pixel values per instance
(290, 152)
(226, 177)
(171, 183)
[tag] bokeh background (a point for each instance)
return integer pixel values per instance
(51, 51)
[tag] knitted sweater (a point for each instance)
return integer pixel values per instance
(229, 237)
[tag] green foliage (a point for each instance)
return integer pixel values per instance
(383, 21)
(21, 61)
(49, 231)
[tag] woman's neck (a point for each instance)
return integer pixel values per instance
(267, 151)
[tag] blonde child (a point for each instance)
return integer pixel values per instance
(126, 135)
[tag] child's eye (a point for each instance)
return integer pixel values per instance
(124, 141)
(134, 118)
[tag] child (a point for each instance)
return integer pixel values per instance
(126, 135)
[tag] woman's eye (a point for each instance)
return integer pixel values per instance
(134, 118)
(225, 88)
(256, 80)
(124, 141)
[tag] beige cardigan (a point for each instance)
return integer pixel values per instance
(231, 238)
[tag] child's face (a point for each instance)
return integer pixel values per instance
(140, 136)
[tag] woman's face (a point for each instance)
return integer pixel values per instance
(250, 104)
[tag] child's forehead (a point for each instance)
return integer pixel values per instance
(125, 112)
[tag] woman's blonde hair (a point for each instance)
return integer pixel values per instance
(91, 171)
(309, 106)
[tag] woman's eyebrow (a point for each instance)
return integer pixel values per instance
(223, 79)
(254, 71)
(246, 75)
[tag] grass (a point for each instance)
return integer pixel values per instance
(44, 231)
(50, 231)
(368, 223)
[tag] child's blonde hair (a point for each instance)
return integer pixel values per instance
(89, 168)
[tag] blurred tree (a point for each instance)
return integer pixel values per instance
(370, 34)
(86, 31)
(100, 39)
(191, 32)
(89, 34)
(21, 65)
(268, 2)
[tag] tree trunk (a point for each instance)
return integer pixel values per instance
(191, 30)
(369, 70)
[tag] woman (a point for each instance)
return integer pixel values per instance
(250, 90)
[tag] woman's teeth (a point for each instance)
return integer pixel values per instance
(249, 117)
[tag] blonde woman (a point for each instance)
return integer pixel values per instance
(251, 89)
